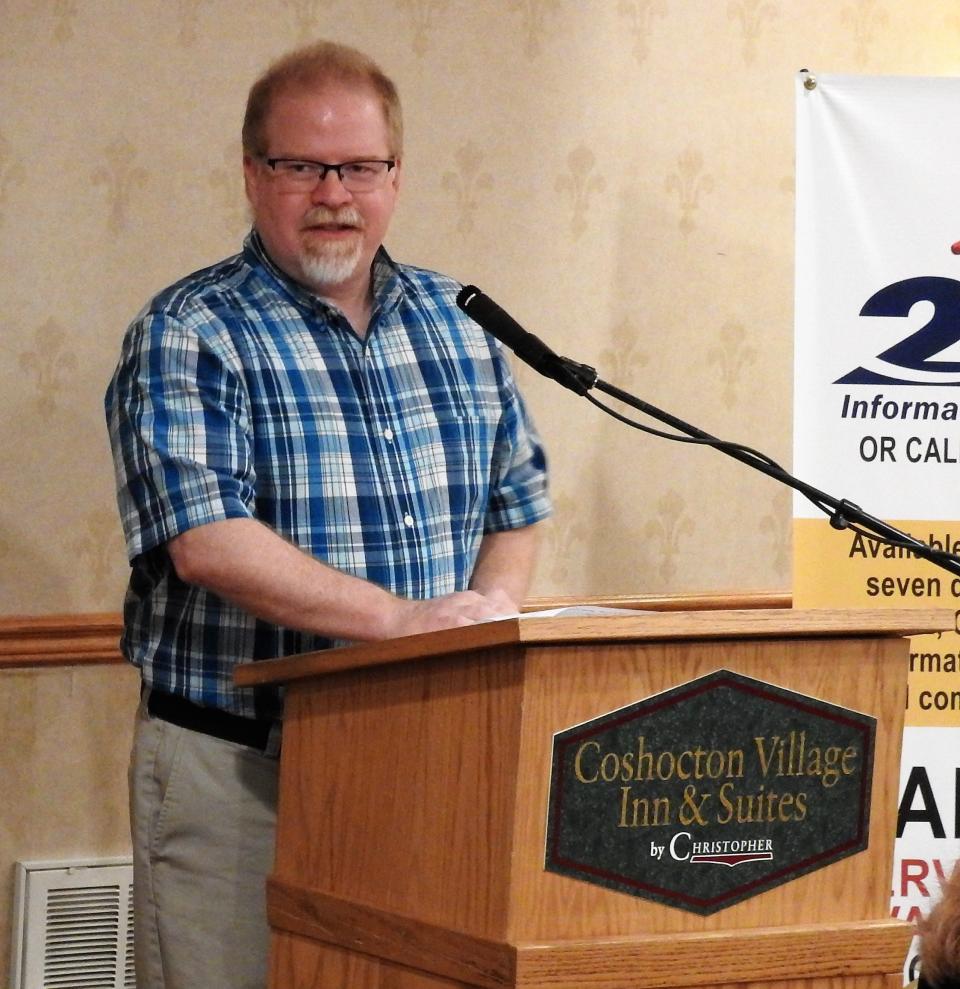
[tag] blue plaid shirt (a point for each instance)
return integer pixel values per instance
(241, 395)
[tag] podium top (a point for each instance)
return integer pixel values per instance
(573, 629)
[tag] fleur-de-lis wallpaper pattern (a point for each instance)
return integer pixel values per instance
(579, 185)
(617, 173)
(639, 16)
(467, 184)
(11, 173)
(538, 18)
(50, 365)
(866, 20)
(732, 356)
(688, 183)
(751, 16)
(426, 18)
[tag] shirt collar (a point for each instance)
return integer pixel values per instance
(386, 280)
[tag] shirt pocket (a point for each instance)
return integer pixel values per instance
(450, 454)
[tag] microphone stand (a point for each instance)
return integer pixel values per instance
(843, 514)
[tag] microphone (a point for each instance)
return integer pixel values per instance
(529, 348)
(499, 323)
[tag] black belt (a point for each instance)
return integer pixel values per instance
(209, 720)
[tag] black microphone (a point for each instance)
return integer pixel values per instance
(529, 348)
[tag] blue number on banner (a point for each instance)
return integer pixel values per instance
(914, 352)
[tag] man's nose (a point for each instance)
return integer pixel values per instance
(330, 190)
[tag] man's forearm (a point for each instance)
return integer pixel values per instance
(505, 563)
(248, 564)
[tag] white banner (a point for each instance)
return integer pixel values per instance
(877, 402)
(878, 294)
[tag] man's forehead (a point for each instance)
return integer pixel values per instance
(327, 99)
(332, 112)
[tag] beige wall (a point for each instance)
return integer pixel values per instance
(64, 741)
(617, 173)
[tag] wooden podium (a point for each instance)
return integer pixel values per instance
(414, 784)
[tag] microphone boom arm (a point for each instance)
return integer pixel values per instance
(843, 514)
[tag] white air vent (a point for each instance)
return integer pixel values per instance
(73, 925)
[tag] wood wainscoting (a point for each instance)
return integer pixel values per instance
(77, 639)
(59, 640)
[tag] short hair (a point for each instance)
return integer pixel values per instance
(940, 936)
(313, 67)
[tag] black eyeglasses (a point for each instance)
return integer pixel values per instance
(301, 175)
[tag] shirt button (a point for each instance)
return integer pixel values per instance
(408, 521)
(388, 434)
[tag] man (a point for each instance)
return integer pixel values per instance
(312, 445)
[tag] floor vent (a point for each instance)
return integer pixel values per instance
(73, 925)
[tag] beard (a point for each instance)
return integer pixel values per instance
(327, 264)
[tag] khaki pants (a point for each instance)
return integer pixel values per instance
(203, 818)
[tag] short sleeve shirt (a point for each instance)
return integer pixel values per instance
(241, 395)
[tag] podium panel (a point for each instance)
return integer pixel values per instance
(414, 792)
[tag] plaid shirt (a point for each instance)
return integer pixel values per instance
(241, 395)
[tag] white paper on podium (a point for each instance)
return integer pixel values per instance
(572, 611)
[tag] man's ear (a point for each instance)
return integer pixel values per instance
(250, 177)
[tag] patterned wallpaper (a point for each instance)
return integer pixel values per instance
(616, 173)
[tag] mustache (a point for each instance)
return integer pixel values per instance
(345, 216)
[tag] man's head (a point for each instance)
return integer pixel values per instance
(331, 104)
(316, 67)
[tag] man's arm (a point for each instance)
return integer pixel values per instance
(248, 564)
(505, 565)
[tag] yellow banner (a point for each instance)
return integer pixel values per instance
(853, 571)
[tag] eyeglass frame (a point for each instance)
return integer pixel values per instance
(326, 167)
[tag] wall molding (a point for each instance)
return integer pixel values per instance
(59, 640)
(79, 639)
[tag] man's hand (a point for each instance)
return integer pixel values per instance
(450, 611)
